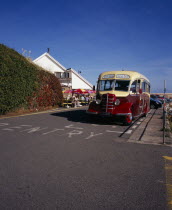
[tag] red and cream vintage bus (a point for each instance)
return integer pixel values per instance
(124, 95)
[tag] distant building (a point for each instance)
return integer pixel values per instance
(68, 78)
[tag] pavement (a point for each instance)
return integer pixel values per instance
(153, 131)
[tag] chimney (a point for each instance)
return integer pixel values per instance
(48, 50)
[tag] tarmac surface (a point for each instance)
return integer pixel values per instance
(60, 160)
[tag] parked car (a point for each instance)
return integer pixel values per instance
(161, 99)
(167, 100)
(154, 96)
(155, 103)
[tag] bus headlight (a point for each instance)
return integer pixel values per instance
(117, 102)
(98, 101)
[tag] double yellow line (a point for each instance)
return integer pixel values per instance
(168, 171)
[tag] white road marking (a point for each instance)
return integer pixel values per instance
(72, 126)
(26, 125)
(63, 131)
(92, 135)
(16, 127)
(12, 128)
(134, 126)
(138, 123)
(129, 132)
(114, 131)
(4, 124)
(8, 129)
(32, 130)
(74, 132)
(94, 125)
(57, 129)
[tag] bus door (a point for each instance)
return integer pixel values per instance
(135, 98)
(146, 100)
(141, 96)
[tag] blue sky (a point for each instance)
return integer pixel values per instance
(93, 36)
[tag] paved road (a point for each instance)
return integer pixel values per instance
(62, 160)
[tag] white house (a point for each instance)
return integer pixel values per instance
(68, 77)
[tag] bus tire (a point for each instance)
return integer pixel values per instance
(128, 120)
(146, 112)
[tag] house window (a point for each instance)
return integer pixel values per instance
(62, 75)
(57, 74)
(67, 74)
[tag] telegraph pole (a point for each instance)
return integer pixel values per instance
(164, 113)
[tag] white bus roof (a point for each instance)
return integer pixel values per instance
(128, 75)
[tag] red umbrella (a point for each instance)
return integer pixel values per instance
(78, 91)
(85, 91)
(91, 91)
(67, 91)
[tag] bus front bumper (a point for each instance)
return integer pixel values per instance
(108, 114)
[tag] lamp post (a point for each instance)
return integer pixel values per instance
(68, 82)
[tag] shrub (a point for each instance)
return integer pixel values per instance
(170, 121)
(25, 84)
(17, 79)
(49, 92)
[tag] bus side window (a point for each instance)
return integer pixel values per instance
(143, 86)
(133, 86)
(138, 86)
(147, 88)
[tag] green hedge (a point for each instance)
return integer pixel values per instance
(48, 94)
(23, 84)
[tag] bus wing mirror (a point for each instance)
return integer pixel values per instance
(140, 91)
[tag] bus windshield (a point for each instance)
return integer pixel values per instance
(119, 85)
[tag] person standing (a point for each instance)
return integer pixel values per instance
(74, 100)
(86, 100)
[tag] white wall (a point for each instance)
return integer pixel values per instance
(48, 64)
(78, 83)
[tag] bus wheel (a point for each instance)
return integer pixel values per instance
(128, 120)
(146, 112)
